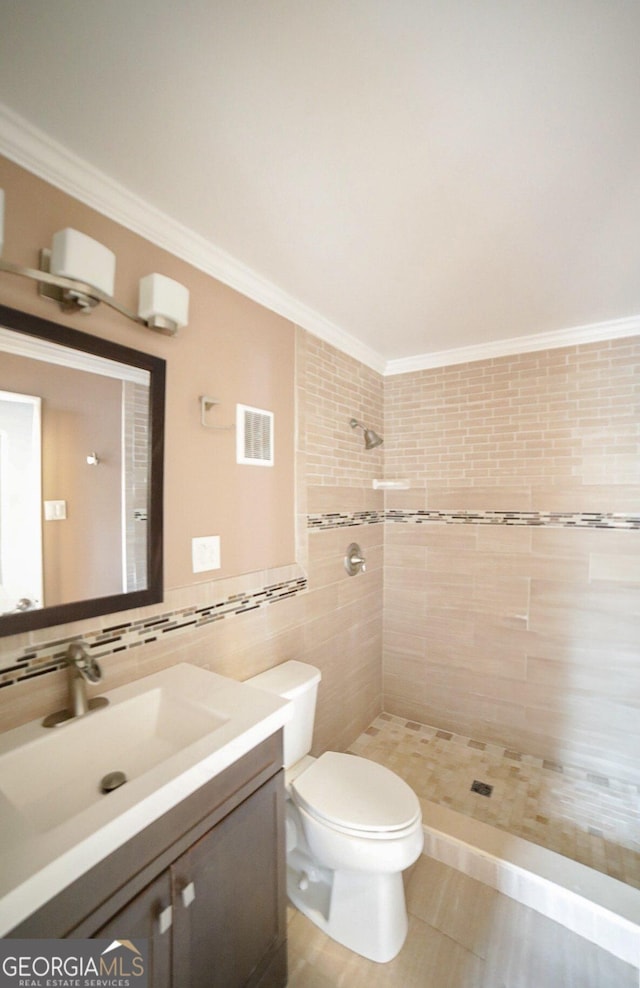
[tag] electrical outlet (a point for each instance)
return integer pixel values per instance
(205, 553)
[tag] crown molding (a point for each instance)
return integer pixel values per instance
(34, 150)
(590, 333)
(40, 154)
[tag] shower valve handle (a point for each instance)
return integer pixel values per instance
(354, 561)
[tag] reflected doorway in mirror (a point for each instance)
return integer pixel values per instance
(20, 517)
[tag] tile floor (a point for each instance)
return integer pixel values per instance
(462, 934)
(587, 817)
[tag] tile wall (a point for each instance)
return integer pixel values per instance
(311, 611)
(337, 506)
(512, 563)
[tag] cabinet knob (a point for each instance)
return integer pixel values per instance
(165, 919)
(188, 894)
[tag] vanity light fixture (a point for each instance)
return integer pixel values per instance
(77, 257)
(163, 303)
(79, 273)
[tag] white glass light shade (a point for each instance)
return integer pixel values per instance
(163, 298)
(75, 255)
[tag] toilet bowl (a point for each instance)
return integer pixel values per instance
(353, 827)
(357, 814)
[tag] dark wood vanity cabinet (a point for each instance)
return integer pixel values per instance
(221, 943)
(142, 919)
(208, 890)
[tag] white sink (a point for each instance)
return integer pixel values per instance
(168, 733)
(53, 778)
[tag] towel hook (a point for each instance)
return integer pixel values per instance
(206, 404)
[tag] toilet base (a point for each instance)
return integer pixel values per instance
(364, 912)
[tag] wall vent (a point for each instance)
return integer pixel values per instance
(254, 436)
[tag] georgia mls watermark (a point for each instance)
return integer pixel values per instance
(73, 964)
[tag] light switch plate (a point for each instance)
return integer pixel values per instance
(205, 553)
(55, 510)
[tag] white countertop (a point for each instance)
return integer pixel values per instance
(40, 857)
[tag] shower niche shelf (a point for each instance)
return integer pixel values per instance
(390, 485)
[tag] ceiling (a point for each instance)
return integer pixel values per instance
(420, 175)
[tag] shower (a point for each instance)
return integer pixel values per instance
(371, 438)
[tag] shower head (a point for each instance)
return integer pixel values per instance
(371, 438)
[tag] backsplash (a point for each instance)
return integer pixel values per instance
(49, 657)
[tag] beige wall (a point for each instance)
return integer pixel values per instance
(233, 350)
(266, 607)
(521, 630)
(527, 634)
(81, 412)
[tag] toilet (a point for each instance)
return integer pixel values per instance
(353, 826)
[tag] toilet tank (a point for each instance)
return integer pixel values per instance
(297, 682)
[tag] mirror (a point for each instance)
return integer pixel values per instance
(81, 474)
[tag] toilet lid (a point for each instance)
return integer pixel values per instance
(354, 792)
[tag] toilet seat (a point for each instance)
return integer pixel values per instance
(356, 796)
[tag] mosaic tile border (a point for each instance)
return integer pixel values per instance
(33, 662)
(340, 519)
(554, 519)
(549, 519)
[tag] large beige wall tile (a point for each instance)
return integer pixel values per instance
(522, 633)
(615, 567)
(504, 538)
(432, 535)
(606, 613)
(607, 678)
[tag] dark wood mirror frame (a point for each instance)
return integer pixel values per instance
(21, 322)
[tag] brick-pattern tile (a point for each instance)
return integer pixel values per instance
(337, 388)
(512, 562)
(563, 418)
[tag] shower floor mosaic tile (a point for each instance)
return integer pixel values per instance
(586, 817)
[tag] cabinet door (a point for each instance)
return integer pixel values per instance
(148, 916)
(229, 896)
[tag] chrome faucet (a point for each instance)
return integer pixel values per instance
(83, 669)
